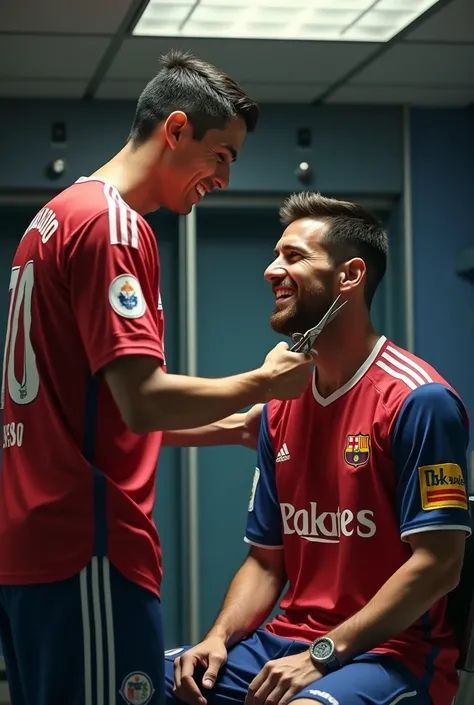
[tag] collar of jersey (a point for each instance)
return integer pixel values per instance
(325, 401)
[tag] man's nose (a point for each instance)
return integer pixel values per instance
(274, 272)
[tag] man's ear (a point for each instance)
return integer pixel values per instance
(352, 274)
(174, 126)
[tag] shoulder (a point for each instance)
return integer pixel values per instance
(83, 199)
(398, 375)
(95, 209)
(431, 406)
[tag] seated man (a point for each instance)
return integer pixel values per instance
(359, 502)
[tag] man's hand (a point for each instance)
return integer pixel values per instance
(251, 427)
(287, 372)
(210, 654)
(280, 680)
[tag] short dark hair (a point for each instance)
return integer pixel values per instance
(208, 96)
(353, 231)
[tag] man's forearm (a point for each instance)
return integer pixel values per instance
(249, 600)
(178, 401)
(227, 432)
(399, 603)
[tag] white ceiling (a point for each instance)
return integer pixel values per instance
(86, 50)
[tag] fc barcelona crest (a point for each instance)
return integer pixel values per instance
(357, 450)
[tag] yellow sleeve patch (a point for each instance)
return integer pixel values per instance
(442, 487)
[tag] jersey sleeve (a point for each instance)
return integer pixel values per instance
(264, 517)
(111, 269)
(429, 446)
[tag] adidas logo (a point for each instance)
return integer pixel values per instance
(283, 454)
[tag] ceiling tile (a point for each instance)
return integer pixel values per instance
(28, 56)
(119, 90)
(283, 92)
(54, 16)
(421, 65)
(452, 23)
(259, 61)
(41, 88)
(401, 95)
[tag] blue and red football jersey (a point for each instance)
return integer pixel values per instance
(75, 481)
(341, 484)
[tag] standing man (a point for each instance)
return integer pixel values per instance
(85, 399)
(359, 503)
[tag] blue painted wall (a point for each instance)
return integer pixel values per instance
(442, 147)
(356, 150)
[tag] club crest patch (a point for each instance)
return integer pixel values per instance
(137, 688)
(357, 450)
(126, 296)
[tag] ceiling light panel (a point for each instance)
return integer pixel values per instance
(330, 20)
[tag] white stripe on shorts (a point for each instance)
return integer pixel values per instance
(98, 628)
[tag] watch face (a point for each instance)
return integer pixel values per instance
(322, 649)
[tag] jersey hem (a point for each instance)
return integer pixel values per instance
(54, 576)
(137, 577)
(262, 545)
(48, 576)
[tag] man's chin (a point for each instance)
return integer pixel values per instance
(281, 324)
(181, 204)
(185, 209)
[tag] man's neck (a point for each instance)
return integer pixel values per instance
(341, 351)
(130, 172)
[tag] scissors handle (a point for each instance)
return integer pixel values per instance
(304, 343)
(300, 344)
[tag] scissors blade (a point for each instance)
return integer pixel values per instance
(304, 343)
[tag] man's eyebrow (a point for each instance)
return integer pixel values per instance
(291, 246)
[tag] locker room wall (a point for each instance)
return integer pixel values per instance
(442, 149)
(167, 510)
(363, 154)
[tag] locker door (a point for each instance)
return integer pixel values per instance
(233, 303)
(167, 507)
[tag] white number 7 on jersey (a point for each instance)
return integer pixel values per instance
(22, 391)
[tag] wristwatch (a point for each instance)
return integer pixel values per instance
(322, 652)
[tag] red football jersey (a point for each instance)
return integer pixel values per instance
(75, 481)
(343, 481)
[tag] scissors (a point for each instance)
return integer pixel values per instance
(304, 342)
